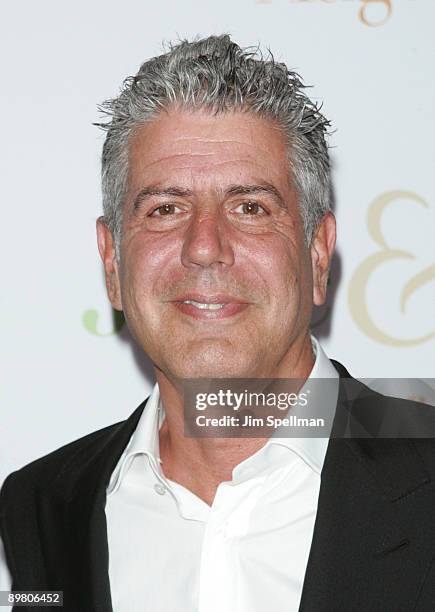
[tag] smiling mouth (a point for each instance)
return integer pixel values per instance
(208, 308)
(204, 305)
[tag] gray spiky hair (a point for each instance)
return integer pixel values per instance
(216, 74)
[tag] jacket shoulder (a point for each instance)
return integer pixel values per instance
(22, 482)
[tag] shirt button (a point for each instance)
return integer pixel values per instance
(160, 489)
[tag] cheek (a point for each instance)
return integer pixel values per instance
(147, 258)
(274, 260)
(285, 269)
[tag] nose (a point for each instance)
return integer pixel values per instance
(206, 242)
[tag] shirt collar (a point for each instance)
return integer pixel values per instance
(145, 439)
(313, 449)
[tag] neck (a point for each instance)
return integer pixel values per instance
(201, 464)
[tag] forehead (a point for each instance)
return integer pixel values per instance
(205, 150)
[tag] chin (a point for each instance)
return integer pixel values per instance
(210, 365)
(212, 372)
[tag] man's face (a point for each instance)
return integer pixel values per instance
(215, 278)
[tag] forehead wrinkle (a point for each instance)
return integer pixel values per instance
(185, 163)
(199, 154)
(175, 156)
(227, 149)
(213, 140)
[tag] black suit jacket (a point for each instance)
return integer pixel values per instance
(373, 544)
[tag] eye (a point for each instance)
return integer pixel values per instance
(164, 210)
(251, 208)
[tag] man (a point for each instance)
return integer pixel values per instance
(216, 240)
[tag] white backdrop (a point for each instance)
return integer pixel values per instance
(64, 371)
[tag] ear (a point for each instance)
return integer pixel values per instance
(322, 248)
(106, 247)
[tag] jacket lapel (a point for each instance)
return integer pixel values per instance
(373, 537)
(75, 547)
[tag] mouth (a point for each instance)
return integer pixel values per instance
(204, 305)
(209, 307)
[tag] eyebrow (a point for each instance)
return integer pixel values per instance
(268, 188)
(148, 192)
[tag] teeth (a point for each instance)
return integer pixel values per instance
(204, 306)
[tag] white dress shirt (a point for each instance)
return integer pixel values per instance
(247, 552)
